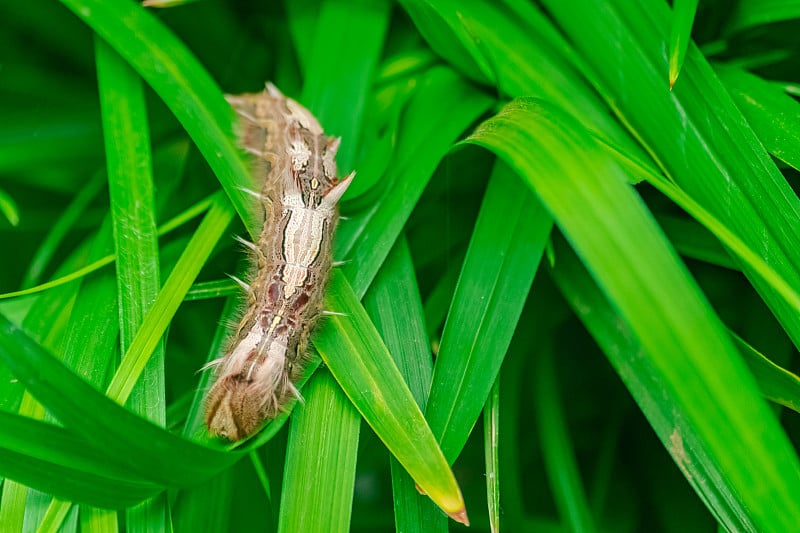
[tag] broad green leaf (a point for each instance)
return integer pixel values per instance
(722, 419)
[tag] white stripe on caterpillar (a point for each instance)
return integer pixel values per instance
(295, 162)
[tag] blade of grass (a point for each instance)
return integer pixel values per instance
(152, 453)
(394, 306)
(506, 246)
(168, 66)
(130, 180)
(326, 494)
(768, 109)
(559, 455)
(696, 134)
(739, 442)
(491, 445)
(169, 299)
(680, 35)
(748, 14)
(9, 208)
(375, 386)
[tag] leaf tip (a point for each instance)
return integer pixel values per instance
(460, 516)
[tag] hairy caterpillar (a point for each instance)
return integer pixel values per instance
(295, 161)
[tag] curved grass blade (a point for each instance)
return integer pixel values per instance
(506, 246)
(169, 299)
(491, 445)
(155, 454)
(168, 66)
(9, 208)
(719, 413)
(749, 14)
(696, 134)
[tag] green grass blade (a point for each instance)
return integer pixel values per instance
(559, 453)
(518, 50)
(506, 247)
(431, 128)
(169, 299)
(680, 35)
(741, 446)
(769, 110)
(321, 461)
(360, 362)
(749, 14)
(9, 208)
(695, 132)
(393, 303)
(491, 445)
(130, 184)
(336, 91)
(776, 383)
(168, 66)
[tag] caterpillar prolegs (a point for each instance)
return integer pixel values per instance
(295, 161)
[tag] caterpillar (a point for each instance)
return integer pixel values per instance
(267, 352)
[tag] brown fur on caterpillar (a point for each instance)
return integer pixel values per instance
(295, 163)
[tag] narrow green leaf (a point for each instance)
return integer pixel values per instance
(9, 208)
(320, 469)
(771, 112)
(441, 109)
(153, 453)
(130, 180)
(377, 389)
(503, 255)
(776, 383)
(559, 454)
(393, 303)
(749, 14)
(175, 74)
(169, 299)
(680, 35)
(741, 446)
(696, 134)
(491, 445)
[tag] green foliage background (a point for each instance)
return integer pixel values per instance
(606, 270)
